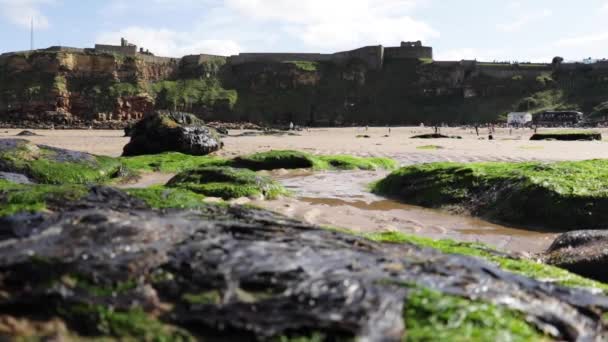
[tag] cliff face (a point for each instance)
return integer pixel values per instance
(65, 88)
(80, 88)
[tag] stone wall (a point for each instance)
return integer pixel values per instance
(125, 50)
(158, 60)
(373, 56)
(407, 52)
(278, 57)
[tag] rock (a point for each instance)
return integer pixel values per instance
(246, 274)
(164, 131)
(435, 136)
(26, 133)
(51, 165)
(16, 178)
(583, 252)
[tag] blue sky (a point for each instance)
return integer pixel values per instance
(530, 30)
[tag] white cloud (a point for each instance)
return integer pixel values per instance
(582, 40)
(271, 25)
(339, 24)
(21, 12)
(524, 20)
(165, 42)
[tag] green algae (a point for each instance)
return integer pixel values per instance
(227, 183)
(563, 195)
(31, 198)
(170, 162)
(161, 197)
(41, 164)
(134, 324)
(301, 160)
(525, 267)
(432, 316)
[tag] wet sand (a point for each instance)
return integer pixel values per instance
(341, 199)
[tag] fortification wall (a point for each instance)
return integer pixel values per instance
(408, 52)
(278, 57)
(64, 49)
(512, 70)
(125, 50)
(373, 56)
(157, 59)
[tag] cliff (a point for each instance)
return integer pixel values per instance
(81, 88)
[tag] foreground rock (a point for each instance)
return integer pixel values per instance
(582, 252)
(165, 131)
(108, 266)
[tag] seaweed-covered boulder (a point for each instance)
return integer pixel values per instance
(568, 136)
(243, 274)
(164, 131)
(50, 165)
(583, 252)
(227, 183)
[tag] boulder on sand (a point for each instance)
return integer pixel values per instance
(583, 252)
(165, 131)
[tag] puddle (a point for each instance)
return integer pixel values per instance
(342, 199)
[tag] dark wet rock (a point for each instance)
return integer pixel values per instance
(249, 274)
(266, 133)
(165, 131)
(222, 130)
(568, 136)
(16, 178)
(435, 136)
(26, 133)
(584, 252)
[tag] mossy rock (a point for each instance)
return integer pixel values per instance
(564, 195)
(170, 162)
(287, 159)
(568, 136)
(227, 183)
(49, 165)
(166, 131)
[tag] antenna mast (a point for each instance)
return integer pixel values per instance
(32, 35)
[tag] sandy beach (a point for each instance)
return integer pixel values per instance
(505, 146)
(342, 199)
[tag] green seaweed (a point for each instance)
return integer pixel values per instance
(301, 160)
(31, 198)
(170, 162)
(227, 183)
(162, 197)
(563, 195)
(526, 267)
(431, 316)
(39, 163)
(125, 324)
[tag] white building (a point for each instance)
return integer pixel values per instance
(519, 118)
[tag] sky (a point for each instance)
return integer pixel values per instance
(488, 30)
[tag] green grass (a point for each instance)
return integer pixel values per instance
(432, 316)
(526, 267)
(301, 160)
(161, 197)
(227, 183)
(19, 198)
(181, 94)
(170, 162)
(563, 195)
